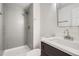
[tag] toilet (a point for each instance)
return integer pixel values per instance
(34, 52)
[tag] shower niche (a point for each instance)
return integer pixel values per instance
(68, 14)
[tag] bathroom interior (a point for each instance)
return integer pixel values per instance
(59, 29)
(18, 25)
(39, 29)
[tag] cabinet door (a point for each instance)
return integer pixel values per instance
(42, 49)
(52, 51)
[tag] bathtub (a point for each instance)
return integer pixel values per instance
(22, 51)
(17, 51)
(68, 46)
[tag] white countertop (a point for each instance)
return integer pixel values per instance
(63, 48)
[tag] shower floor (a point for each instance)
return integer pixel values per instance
(18, 51)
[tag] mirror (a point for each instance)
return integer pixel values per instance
(67, 14)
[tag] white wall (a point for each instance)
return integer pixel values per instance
(49, 22)
(34, 23)
(36, 26)
(1, 31)
(14, 25)
(48, 19)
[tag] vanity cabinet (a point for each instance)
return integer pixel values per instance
(47, 50)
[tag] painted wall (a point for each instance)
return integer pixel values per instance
(48, 19)
(49, 23)
(1, 31)
(36, 26)
(14, 25)
(34, 23)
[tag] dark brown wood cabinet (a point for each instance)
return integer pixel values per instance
(47, 50)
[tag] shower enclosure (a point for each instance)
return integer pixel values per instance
(19, 27)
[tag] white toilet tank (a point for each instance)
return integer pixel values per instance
(34, 52)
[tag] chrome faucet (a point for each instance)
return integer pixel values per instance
(67, 35)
